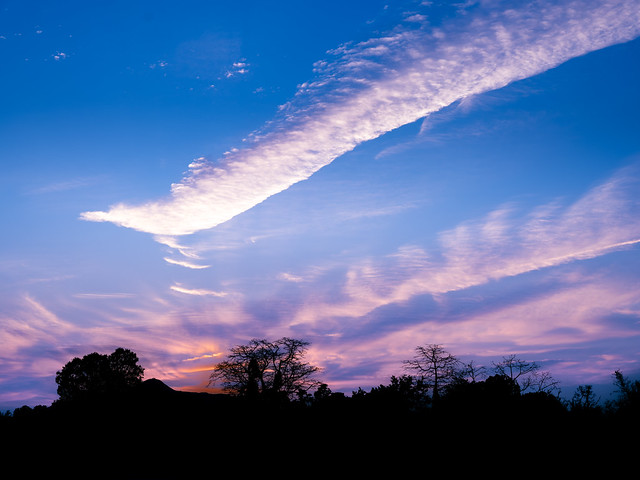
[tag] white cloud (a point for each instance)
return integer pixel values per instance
(552, 321)
(197, 291)
(101, 296)
(416, 17)
(238, 68)
(172, 242)
(183, 263)
(500, 245)
(373, 88)
(32, 323)
(289, 277)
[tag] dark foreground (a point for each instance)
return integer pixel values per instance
(159, 433)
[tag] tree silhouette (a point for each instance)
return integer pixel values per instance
(513, 367)
(472, 372)
(264, 368)
(542, 381)
(628, 401)
(466, 399)
(97, 374)
(435, 365)
(584, 401)
(155, 418)
(526, 374)
(323, 392)
(404, 394)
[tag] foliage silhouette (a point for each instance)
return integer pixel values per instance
(584, 401)
(96, 375)
(273, 370)
(627, 404)
(404, 394)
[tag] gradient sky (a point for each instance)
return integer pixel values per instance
(369, 176)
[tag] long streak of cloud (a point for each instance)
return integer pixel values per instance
(374, 87)
(182, 263)
(498, 246)
(197, 291)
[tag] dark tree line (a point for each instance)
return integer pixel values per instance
(275, 405)
(277, 371)
(434, 381)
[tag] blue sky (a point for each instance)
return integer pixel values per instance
(368, 176)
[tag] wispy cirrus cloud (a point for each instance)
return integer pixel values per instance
(197, 291)
(37, 340)
(63, 186)
(104, 295)
(459, 293)
(371, 88)
(500, 245)
(32, 323)
(573, 322)
(183, 263)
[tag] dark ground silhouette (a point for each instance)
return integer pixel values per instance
(110, 424)
(154, 432)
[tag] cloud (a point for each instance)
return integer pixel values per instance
(238, 68)
(416, 18)
(104, 295)
(200, 357)
(459, 292)
(183, 263)
(173, 243)
(500, 245)
(64, 186)
(31, 323)
(289, 277)
(197, 291)
(567, 322)
(371, 88)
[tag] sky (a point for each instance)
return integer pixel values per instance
(369, 176)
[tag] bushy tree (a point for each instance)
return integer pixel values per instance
(584, 398)
(97, 374)
(585, 403)
(263, 368)
(498, 393)
(323, 392)
(405, 393)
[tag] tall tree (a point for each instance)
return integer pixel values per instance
(435, 365)
(266, 369)
(97, 374)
